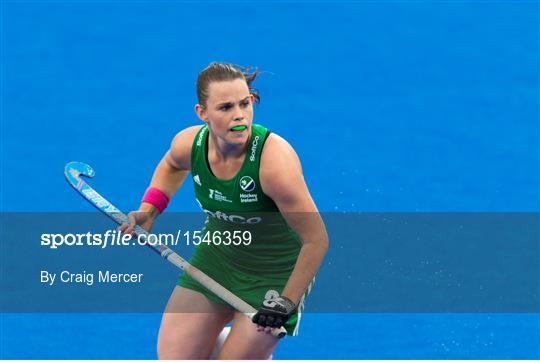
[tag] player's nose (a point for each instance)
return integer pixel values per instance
(238, 114)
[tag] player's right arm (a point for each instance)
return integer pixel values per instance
(168, 176)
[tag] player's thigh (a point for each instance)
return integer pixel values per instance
(245, 342)
(190, 325)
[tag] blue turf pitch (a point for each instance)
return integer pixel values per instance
(345, 336)
(391, 106)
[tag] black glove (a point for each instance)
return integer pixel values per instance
(274, 312)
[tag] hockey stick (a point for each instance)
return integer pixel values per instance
(74, 170)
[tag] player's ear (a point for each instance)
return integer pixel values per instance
(201, 112)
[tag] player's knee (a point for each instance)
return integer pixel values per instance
(245, 342)
(174, 343)
(176, 348)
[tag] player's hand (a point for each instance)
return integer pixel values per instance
(143, 219)
(274, 312)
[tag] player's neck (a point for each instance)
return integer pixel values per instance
(225, 151)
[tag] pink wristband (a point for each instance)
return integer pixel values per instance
(157, 198)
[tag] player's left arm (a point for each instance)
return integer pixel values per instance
(282, 180)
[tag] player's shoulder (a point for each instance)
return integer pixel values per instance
(187, 135)
(275, 145)
(278, 154)
(280, 168)
(180, 149)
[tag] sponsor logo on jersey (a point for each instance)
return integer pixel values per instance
(218, 196)
(247, 184)
(200, 138)
(254, 148)
(248, 198)
(197, 180)
(237, 219)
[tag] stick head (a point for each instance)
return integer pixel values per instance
(73, 170)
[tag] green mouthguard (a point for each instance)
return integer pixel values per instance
(238, 128)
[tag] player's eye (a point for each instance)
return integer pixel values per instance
(225, 107)
(244, 104)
